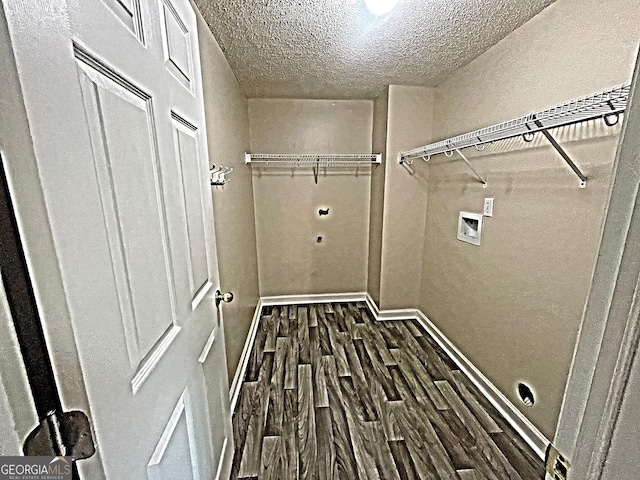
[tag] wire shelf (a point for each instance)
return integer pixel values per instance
(608, 104)
(312, 160)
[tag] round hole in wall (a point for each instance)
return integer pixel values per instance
(526, 395)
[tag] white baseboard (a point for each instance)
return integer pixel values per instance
(384, 315)
(234, 391)
(534, 438)
(316, 298)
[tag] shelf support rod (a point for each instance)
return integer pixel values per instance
(563, 154)
(316, 170)
(484, 182)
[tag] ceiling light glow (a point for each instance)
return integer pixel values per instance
(380, 7)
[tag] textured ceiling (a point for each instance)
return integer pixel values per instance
(337, 49)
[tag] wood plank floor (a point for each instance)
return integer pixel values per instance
(331, 394)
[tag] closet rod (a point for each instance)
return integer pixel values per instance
(608, 105)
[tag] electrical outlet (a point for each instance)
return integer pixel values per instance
(487, 211)
(557, 466)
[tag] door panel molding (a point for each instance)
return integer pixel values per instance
(149, 363)
(201, 295)
(128, 12)
(181, 416)
(207, 346)
(176, 43)
(185, 136)
(137, 234)
(97, 70)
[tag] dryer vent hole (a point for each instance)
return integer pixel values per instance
(526, 395)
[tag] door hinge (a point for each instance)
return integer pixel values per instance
(61, 433)
(556, 464)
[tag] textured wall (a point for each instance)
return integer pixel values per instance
(379, 145)
(290, 261)
(409, 125)
(228, 139)
(514, 304)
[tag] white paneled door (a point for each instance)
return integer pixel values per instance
(113, 96)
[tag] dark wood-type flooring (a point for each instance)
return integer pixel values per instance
(329, 393)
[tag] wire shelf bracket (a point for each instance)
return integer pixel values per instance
(607, 105)
(466, 160)
(315, 161)
(565, 157)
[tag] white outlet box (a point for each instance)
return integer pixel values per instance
(487, 211)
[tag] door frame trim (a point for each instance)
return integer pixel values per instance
(608, 337)
(23, 307)
(18, 121)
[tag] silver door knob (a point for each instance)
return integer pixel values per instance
(223, 297)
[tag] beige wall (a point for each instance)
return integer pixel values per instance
(513, 305)
(228, 139)
(379, 145)
(287, 201)
(409, 125)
